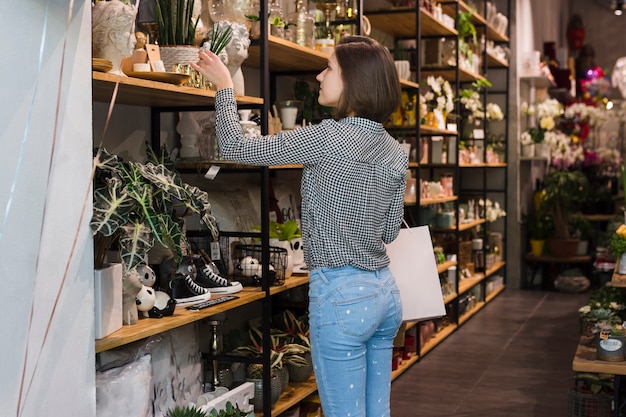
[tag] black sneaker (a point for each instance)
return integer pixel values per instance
(208, 277)
(186, 291)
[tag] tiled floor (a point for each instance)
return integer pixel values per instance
(512, 359)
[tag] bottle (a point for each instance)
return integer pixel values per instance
(305, 25)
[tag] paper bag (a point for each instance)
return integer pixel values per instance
(415, 270)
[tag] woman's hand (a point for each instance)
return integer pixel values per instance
(212, 67)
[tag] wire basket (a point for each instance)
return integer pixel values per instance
(580, 404)
(246, 261)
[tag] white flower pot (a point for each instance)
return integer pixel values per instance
(621, 269)
(287, 246)
(528, 151)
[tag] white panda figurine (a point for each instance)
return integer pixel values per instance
(145, 299)
(146, 275)
(249, 266)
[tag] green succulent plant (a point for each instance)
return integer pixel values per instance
(186, 411)
(138, 204)
(175, 22)
(229, 411)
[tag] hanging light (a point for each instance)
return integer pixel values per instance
(619, 5)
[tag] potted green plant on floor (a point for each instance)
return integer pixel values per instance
(539, 226)
(565, 189)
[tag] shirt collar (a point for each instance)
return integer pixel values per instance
(363, 123)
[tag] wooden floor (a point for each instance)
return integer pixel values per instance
(513, 359)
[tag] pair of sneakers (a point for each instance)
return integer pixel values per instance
(195, 281)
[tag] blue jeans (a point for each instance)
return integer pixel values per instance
(354, 316)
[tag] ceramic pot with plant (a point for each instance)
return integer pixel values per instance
(610, 341)
(288, 236)
(581, 229)
(618, 248)
(539, 226)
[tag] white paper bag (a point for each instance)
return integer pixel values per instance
(415, 270)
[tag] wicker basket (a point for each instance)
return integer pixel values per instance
(175, 55)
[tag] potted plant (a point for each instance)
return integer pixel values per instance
(610, 339)
(296, 346)
(581, 229)
(592, 395)
(177, 32)
(138, 205)
(618, 248)
(229, 411)
(186, 411)
(564, 190)
(288, 236)
(539, 226)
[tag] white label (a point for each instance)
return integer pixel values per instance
(611, 345)
(452, 127)
(215, 251)
(212, 172)
(479, 134)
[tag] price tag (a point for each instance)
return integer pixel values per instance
(212, 172)
(215, 251)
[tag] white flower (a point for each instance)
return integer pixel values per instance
(494, 112)
(526, 139)
(585, 309)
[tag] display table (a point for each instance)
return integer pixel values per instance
(558, 264)
(585, 361)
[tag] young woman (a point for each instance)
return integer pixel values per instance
(352, 188)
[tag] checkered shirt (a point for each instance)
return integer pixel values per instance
(353, 182)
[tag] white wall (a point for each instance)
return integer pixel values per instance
(47, 349)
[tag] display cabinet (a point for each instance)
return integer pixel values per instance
(437, 157)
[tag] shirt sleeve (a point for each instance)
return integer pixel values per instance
(393, 219)
(299, 146)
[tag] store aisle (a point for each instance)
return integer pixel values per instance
(512, 360)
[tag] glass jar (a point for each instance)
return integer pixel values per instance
(304, 21)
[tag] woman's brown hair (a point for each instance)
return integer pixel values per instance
(371, 86)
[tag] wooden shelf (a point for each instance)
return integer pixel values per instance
(401, 22)
(428, 130)
(449, 73)
(484, 165)
(479, 21)
(437, 338)
(494, 294)
(582, 259)
(287, 56)
(430, 201)
(406, 364)
(295, 392)
(147, 327)
(468, 314)
(495, 268)
(450, 298)
(495, 62)
(139, 92)
(472, 224)
(585, 360)
(468, 283)
(441, 268)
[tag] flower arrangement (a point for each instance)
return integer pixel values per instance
(440, 97)
(618, 241)
(546, 112)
